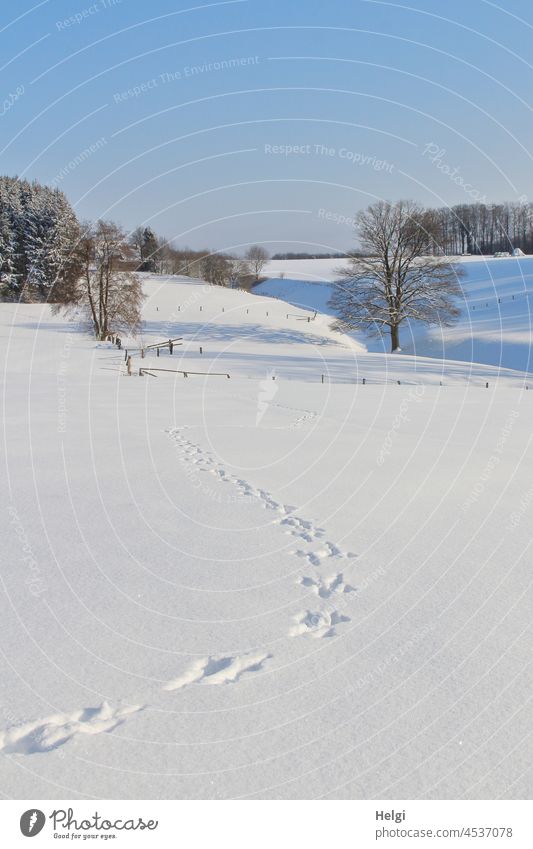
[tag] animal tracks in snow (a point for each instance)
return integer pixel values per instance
(218, 670)
(317, 624)
(43, 735)
(291, 524)
(320, 554)
(250, 491)
(316, 556)
(326, 587)
(301, 528)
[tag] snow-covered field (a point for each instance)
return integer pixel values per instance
(256, 587)
(496, 322)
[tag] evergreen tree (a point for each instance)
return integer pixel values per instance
(149, 250)
(8, 245)
(39, 233)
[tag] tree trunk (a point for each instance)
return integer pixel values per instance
(395, 337)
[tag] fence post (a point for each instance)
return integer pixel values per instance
(142, 353)
(322, 378)
(128, 366)
(170, 347)
(157, 349)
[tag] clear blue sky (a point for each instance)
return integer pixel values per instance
(179, 114)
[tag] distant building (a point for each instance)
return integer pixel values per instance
(127, 259)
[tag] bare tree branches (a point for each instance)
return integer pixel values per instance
(397, 279)
(111, 298)
(256, 257)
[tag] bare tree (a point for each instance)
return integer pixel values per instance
(257, 257)
(397, 279)
(111, 298)
(136, 240)
(216, 269)
(238, 272)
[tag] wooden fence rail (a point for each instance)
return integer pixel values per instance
(164, 344)
(143, 371)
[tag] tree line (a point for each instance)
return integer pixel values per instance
(399, 272)
(43, 246)
(47, 255)
(157, 255)
(484, 229)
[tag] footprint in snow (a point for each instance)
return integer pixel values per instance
(326, 587)
(218, 670)
(43, 735)
(295, 526)
(316, 556)
(317, 624)
(301, 528)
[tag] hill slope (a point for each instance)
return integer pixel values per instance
(246, 587)
(495, 325)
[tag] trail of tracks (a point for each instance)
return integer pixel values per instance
(325, 563)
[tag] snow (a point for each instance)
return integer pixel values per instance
(256, 587)
(315, 270)
(495, 325)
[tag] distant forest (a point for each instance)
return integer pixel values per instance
(303, 255)
(485, 229)
(476, 228)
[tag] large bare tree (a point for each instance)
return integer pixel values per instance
(396, 279)
(111, 298)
